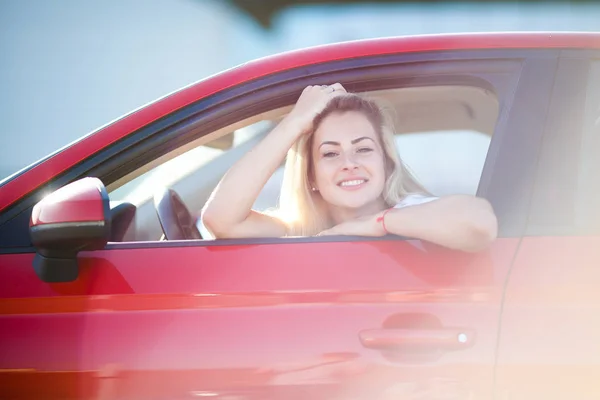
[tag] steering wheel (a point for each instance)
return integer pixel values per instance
(175, 218)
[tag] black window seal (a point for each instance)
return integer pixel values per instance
(515, 156)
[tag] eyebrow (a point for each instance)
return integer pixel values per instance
(352, 141)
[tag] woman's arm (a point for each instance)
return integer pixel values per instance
(228, 213)
(459, 222)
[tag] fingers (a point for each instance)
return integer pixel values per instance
(326, 89)
(336, 87)
(321, 94)
(312, 101)
(328, 232)
(336, 90)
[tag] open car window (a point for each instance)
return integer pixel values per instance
(443, 134)
(141, 189)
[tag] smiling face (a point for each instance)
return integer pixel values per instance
(348, 162)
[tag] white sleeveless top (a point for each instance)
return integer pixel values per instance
(415, 199)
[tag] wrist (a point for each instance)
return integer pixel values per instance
(381, 223)
(296, 124)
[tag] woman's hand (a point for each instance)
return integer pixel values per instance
(311, 102)
(363, 226)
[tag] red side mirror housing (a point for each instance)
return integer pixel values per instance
(74, 218)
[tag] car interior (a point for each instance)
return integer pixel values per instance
(442, 133)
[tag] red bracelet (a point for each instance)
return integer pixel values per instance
(382, 220)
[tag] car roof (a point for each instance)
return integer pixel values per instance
(26, 180)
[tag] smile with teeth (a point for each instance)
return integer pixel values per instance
(354, 182)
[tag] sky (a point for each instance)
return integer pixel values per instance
(70, 67)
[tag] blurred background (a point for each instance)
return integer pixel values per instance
(68, 67)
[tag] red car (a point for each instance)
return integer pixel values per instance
(110, 288)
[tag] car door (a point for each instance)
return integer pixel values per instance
(551, 321)
(336, 317)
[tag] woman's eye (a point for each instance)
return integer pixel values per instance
(365, 150)
(330, 154)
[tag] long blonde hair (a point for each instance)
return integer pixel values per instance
(305, 211)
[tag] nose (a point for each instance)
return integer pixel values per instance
(348, 161)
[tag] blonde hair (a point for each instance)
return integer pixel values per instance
(305, 211)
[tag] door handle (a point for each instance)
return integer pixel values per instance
(417, 339)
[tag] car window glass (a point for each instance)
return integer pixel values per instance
(587, 208)
(142, 188)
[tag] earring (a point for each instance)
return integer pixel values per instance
(314, 189)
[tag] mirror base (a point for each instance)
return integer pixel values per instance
(54, 269)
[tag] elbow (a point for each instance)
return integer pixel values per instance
(483, 229)
(215, 224)
(482, 235)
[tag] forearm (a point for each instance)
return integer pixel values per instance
(458, 222)
(232, 199)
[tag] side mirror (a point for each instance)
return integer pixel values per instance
(74, 218)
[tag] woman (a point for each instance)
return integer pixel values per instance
(342, 176)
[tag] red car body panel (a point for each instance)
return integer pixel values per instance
(552, 297)
(230, 331)
(37, 175)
